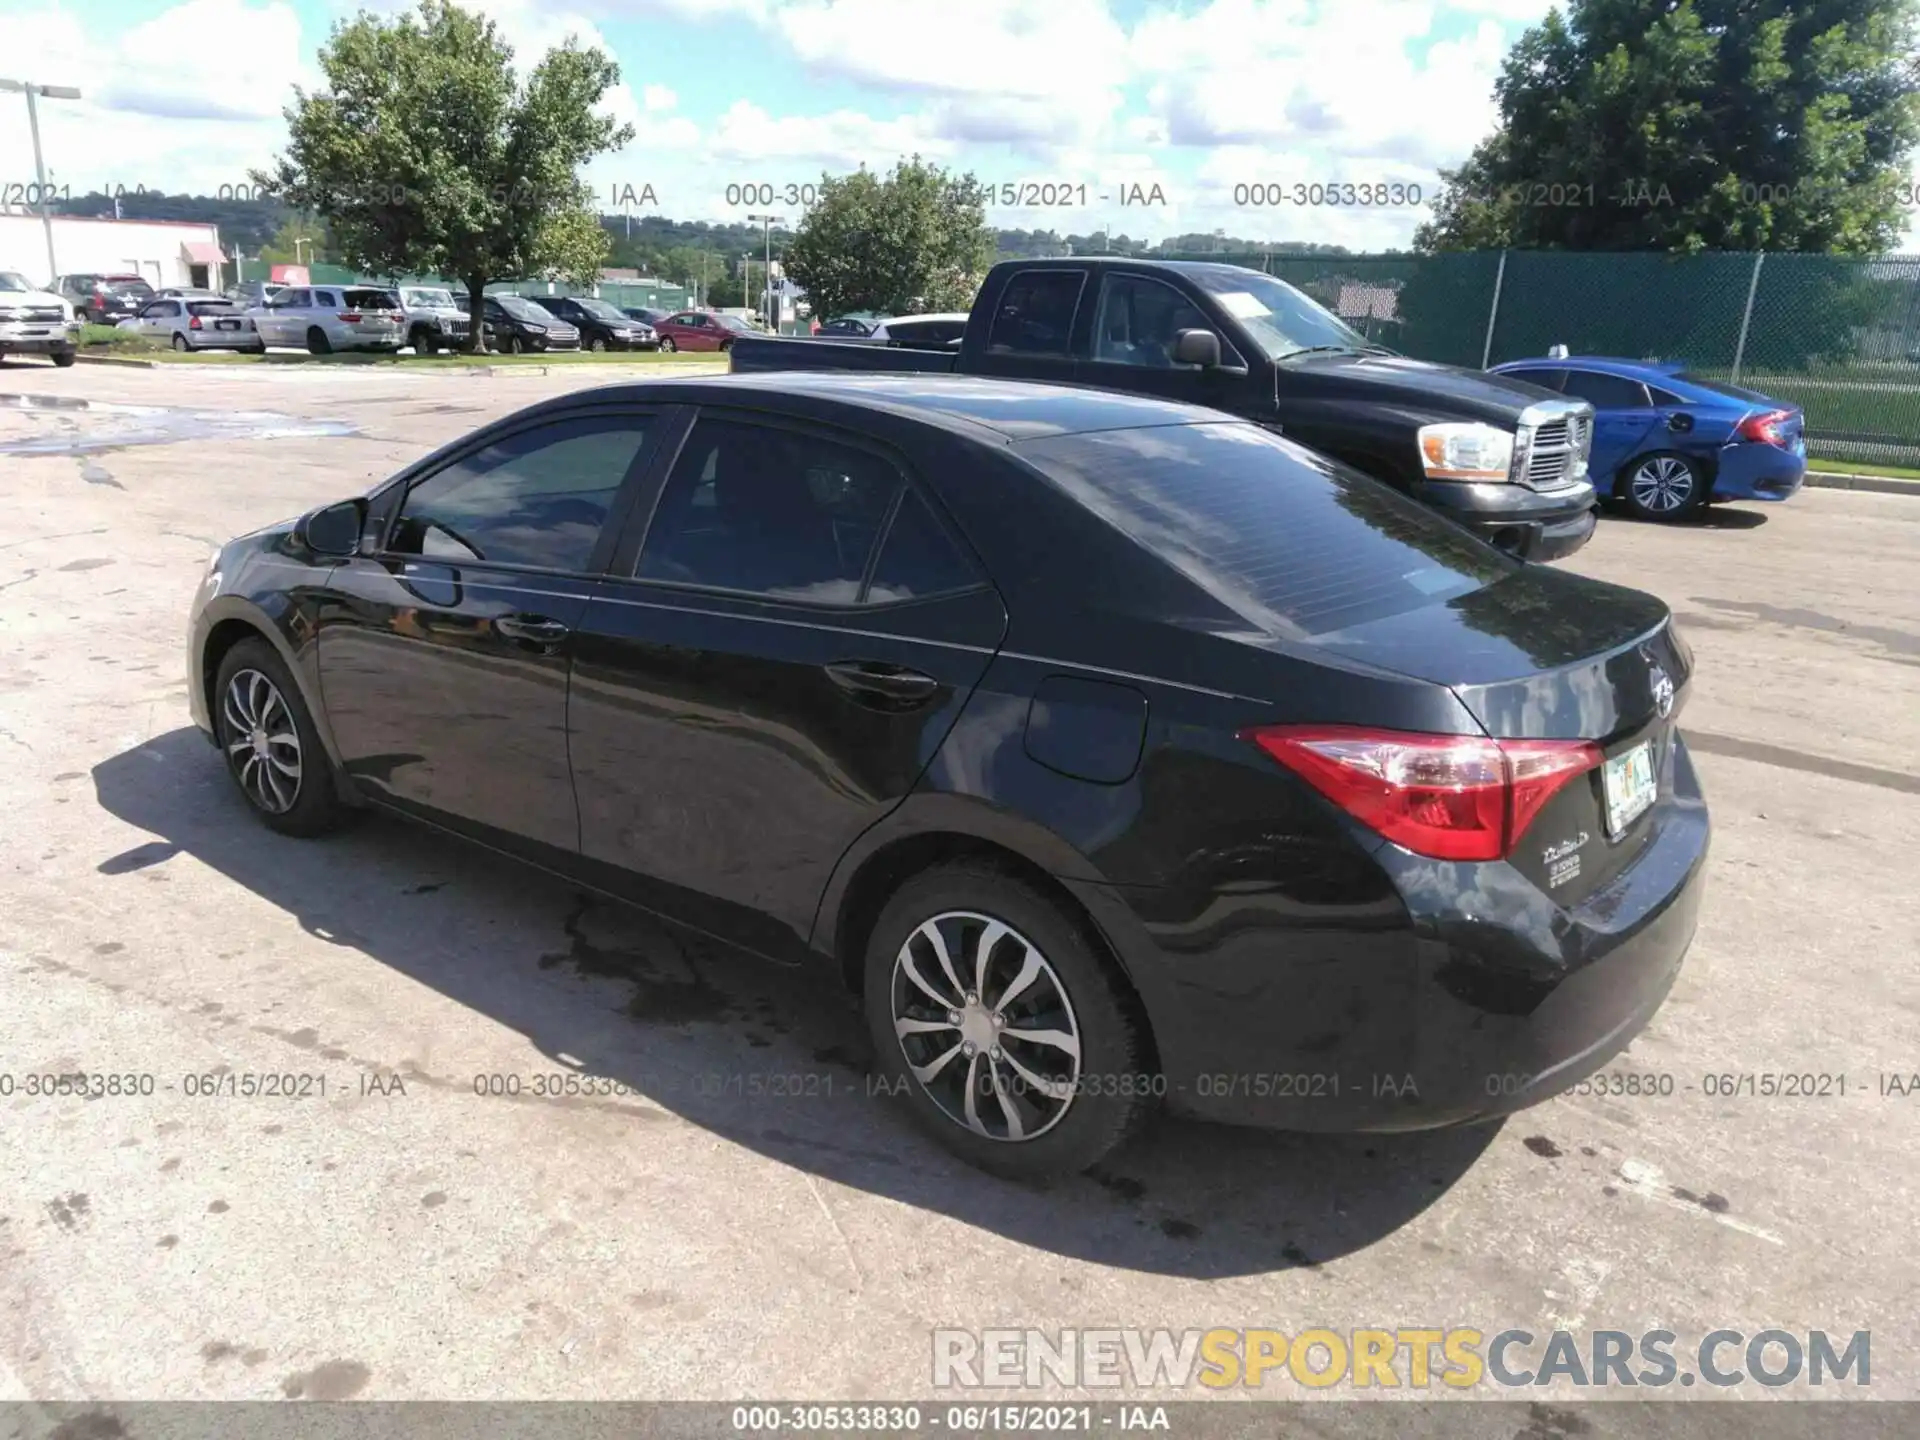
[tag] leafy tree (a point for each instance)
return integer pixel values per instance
(299, 241)
(1688, 125)
(425, 153)
(912, 240)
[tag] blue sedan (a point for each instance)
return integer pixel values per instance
(1667, 442)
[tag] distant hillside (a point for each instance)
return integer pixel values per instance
(247, 223)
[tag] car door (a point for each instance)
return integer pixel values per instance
(159, 319)
(1127, 344)
(770, 672)
(1623, 419)
(1030, 333)
(290, 309)
(444, 646)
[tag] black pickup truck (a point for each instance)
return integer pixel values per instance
(1505, 458)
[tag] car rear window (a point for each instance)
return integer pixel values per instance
(210, 307)
(1720, 387)
(372, 300)
(1293, 541)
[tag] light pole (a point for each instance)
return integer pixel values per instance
(746, 277)
(52, 92)
(769, 221)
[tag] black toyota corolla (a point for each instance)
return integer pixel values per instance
(1116, 753)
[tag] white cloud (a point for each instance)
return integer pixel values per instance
(657, 98)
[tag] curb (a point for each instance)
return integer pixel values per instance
(85, 359)
(1884, 484)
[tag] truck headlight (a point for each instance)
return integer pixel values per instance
(1465, 450)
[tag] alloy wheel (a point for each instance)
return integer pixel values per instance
(985, 1026)
(262, 742)
(1662, 485)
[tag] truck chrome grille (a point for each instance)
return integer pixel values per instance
(1553, 454)
(42, 314)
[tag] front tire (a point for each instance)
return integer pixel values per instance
(64, 358)
(272, 748)
(516, 346)
(599, 346)
(666, 345)
(1663, 486)
(422, 341)
(964, 965)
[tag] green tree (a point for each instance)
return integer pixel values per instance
(915, 239)
(1689, 125)
(300, 240)
(425, 152)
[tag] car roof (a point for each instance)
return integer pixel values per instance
(1006, 410)
(1604, 364)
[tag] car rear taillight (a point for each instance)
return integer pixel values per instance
(194, 324)
(352, 317)
(1450, 797)
(1765, 428)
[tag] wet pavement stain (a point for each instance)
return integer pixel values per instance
(335, 1380)
(1543, 1147)
(1712, 1200)
(619, 944)
(69, 1211)
(112, 426)
(94, 562)
(97, 474)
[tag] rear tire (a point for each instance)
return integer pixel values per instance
(1039, 1109)
(180, 342)
(317, 342)
(1663, 486)
(516, 346)
(286, 776)
(64, 358)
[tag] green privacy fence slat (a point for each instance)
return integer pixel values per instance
(1838, 336)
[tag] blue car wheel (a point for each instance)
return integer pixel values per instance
(1663, 486)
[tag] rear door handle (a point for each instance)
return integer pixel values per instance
(873, 680)
(536, 628)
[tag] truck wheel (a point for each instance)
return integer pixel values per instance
(1663, 486)
(64, 358)
(421, 340)
(317, 342)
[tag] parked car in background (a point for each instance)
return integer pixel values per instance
(602, 325)
(1667, 441)
(35, 321)
(846, 327)
(104, 299)
(193, 322)
(1504, 458)
(920, 332)
(518, 325)
(701, 330)
(325, 318)
(648, 315)
(188, 292)
(432, 319)
(254, 292)
(1263, 770)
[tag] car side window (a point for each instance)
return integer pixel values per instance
(325, 299)
(1548, 379)
(1606, 392)
(1663, 398)
(1137, 320)
(769, 511)
(918, 557)
(1034, 315)
(535, 497)
(293, 300)
(158, 309)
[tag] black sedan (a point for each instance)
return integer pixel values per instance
(601, 325)
(1115, 752)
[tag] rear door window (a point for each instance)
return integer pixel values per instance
(1293, 541)
(1547, 379)
(1606, 392)
(1034, 315)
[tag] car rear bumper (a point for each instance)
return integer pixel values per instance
(1753, 471)
(1480, 997)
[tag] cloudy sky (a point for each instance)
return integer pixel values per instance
(1197, 97)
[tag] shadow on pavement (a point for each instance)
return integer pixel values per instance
(766, 1057)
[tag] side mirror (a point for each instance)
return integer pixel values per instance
(1680, 420)
(1196, 347)
(333, 529)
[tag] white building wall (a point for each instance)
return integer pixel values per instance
(145, 247)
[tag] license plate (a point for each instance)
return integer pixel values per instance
(226, 324)
(1630, 786)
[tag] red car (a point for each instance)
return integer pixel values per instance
(697, 330)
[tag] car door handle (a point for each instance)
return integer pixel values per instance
(536, 628)
(871, 680)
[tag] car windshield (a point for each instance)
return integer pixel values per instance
(601, 310)
(1278, 318)
(428, 299)
(521, 309)
(127, 285)
(13, 280)
(1298, 544)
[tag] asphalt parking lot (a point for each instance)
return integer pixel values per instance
(403, 1237)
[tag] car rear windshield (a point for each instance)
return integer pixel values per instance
(1720, 387)
(372, 300)
(1296, 543)
(130, 284)
(211, 307)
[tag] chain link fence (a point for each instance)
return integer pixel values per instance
(1838, 336)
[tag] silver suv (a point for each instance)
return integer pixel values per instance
(326, 318)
